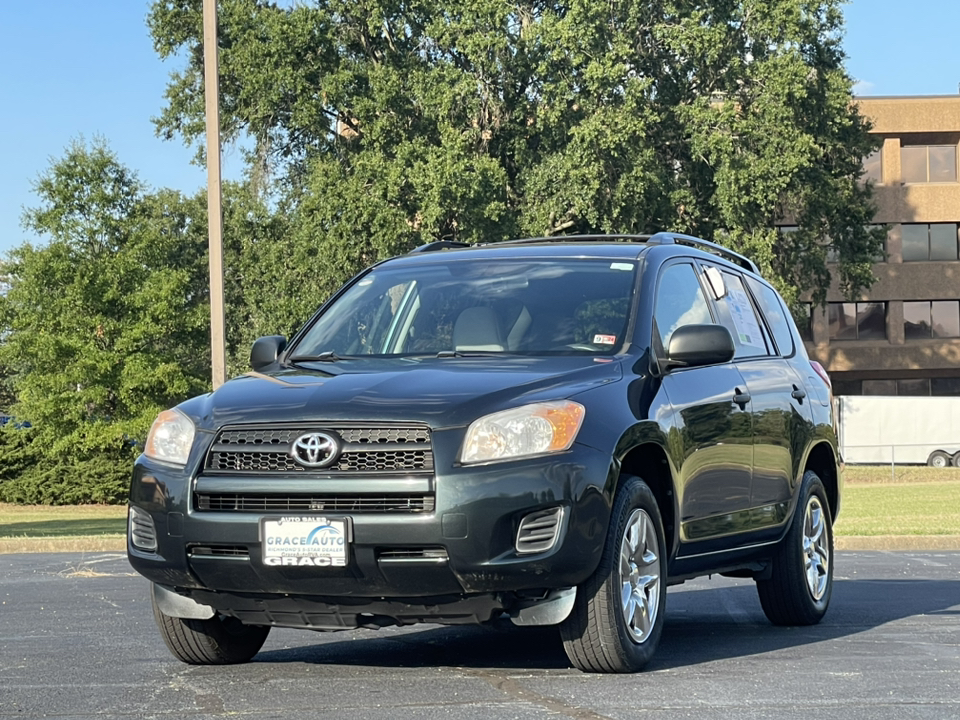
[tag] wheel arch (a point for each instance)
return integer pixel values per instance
(823, 462)
(650, 463)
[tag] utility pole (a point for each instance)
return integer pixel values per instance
(211, 85)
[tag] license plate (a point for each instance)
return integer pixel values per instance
(305, 541)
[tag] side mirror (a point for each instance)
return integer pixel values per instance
(266, 350)
(695, 345)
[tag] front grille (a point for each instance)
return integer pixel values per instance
(340, 503)
(265, 450)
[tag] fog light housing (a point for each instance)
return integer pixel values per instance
(141, 529)
(538, 531)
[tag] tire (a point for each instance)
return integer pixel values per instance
(801, 581)
(221, 640)
(939, 459)
(605, 632)
(956, 460)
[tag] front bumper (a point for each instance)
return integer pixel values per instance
(459, 560)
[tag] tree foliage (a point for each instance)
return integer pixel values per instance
(101, 327)
(387, 123)
(108, 323)
(378, 125)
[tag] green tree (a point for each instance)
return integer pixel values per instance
(381, 124)
(104, 326)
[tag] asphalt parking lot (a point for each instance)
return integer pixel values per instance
(77, 640)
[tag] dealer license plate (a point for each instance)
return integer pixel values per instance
(305, 541)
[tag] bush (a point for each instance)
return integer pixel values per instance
(34, 472)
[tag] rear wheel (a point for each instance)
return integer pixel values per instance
(801, 581)
(617, 620)
(938, 459)
(220, 640)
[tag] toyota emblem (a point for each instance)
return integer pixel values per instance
(315, 450)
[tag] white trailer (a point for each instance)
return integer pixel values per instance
(899, 430)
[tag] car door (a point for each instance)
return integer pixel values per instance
(711, 434)
(776, 395)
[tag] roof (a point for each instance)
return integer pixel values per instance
(606, 246)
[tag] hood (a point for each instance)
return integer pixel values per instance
(441, 392)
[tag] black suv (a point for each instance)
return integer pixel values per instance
(550, 429)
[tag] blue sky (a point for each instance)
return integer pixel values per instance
(73, 68)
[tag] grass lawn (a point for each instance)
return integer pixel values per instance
(884, 475)
(922, 508)
(47, 521)
(67, 528)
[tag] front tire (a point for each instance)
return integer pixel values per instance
(221, 640)
(801, 581)
(939, 459)
(617, 620)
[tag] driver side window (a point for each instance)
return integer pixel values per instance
(680, 301)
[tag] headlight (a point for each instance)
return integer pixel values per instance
(170, 438)
(529, 430)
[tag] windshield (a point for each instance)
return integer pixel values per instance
(529, 307)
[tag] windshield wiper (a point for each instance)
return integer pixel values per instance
(471, 353)
(328, 356)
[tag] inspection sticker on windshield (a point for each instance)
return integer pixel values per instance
(604, 339)
(305, 541)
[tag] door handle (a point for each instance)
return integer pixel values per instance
(741, 398)
(798, 394)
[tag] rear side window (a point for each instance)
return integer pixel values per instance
(776, 314)
(680, 301)
(738, 315)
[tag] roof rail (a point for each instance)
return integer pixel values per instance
(670, 238)
(576, 238)
(660, 238)
(440, 245)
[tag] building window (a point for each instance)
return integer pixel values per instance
(873, 167)
(944, 386)
(935, 241)
(879, 387)
(857, 321)
(915, 387)
(847, 387)
(928, 163)
(904, 387)
(931, 319)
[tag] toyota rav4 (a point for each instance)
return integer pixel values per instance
(552, 430)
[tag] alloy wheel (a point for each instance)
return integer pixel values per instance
(816, 548)
(639, 576)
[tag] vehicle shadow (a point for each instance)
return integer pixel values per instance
(701, 625)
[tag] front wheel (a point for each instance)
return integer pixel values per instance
(939, 459)
(221, 640)
(616, 622)
(801, 580)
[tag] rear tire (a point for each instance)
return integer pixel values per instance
(221, 640)
(939, 459)
(801, 582)
(617, 620)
